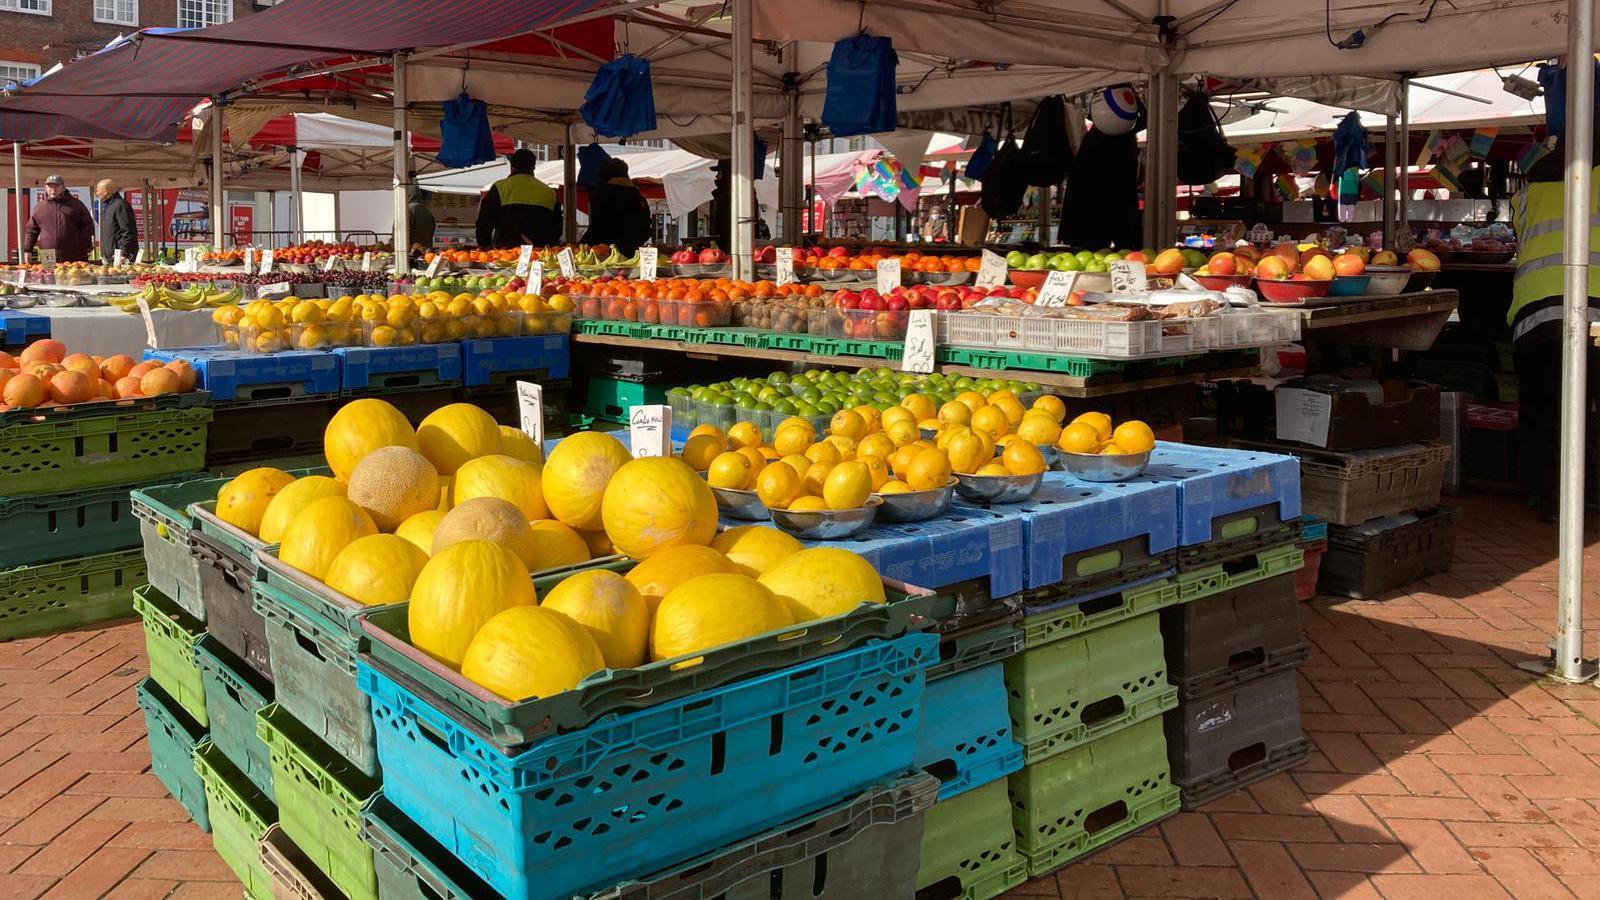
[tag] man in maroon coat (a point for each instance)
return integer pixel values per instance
(60, 222)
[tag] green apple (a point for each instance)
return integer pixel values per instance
(1036, 262)
(1016, 259)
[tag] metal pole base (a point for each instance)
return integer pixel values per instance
(1588, 670)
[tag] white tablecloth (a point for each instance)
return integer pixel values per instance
(107, 331)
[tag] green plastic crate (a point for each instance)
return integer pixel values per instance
(170, 635)
(1212, 580)
(71, 451)
(734, 337)
(969, 648)
(1077, 690)
(234, 694)
(1041, 628)
(50, 527)
(1074, 366)
(610, 398)
(58, 596)
(969, 850)
(320, 796)
(164, 526)
(1091, 795)
(172, 737)
(890, 350)
(240, 816)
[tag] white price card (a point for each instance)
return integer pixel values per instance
(433, 265)
(524, 257)
(569, 266)
(785, 262)
(920, 346)
(991, 271)
(249, 258)
(116, 257)
(650, 428)
(138, 258)
(888, 275)
(266, 261)
(1128, 277)
(149, 322)
(1057, 289)
(366, 261)
(1303, 415)
(536, 278)
(47, 256)
(329, 263)
(530, 407)
(648, 257)
(276, 289)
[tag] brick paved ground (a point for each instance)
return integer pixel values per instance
(1440, 772)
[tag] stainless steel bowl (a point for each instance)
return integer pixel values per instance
(736, 504)
(1052, 455)
(998, 488)
(1101, 467)
(917, 506)
(1386, 280)
(829, 525)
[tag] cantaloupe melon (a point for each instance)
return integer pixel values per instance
(393, 484)
(487, 519)
(360, 428)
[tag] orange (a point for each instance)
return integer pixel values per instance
(1022, 458)
(991, 419)
(1099, 421)
(1134, 436)
(1079, 437)
(929, 469)
(1052, 404)
(921, 407)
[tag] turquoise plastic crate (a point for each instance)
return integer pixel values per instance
(66, 526)
(173, 736)
(234, 694)
(611, 398)
(965, 736)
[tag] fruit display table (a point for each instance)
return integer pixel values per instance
(107, 331)
(1403, 321)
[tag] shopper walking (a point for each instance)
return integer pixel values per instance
(618, 213)
(60, 222)
(420, 223)
(119, 228)
(519, 208)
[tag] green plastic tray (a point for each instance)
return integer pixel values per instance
(1091, 795)
(1082, 688)
(1215, 579)
(512, 725)
(803, 343)
(172, 736)
(170, 635)
(735, 337)
(1072, 619)
(891, 350)
(234, 694)
(58, 596)
(68, 449)
(319, 799)
(164, 526)
(1010, 360)
(240, 815)
(968, 848)
(50, 527)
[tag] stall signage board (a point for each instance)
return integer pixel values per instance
(785, 263)
(524, 258)
(536, 278)
(569, 266)
(530, 407)
(648, 257)
(920, 346)
(888, 275)
(991, 271)
(1128, 277)
(266, 261)
(1057, 289)
(650, 428)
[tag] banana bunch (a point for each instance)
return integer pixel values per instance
(159, 296)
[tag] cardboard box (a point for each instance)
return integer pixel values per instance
(1344, 414)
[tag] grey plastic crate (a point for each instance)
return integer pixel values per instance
(1222, 742)
(1217, 642)
(225, 593)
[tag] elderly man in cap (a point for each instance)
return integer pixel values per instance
(60, 222)
(119, 230)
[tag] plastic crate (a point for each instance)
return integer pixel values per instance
(611, 398)
(293, 875)
(1094, 794)
(964, 738)
(319, 796)
(979, 644)
(1305, 580)
(1245, 633)
(383, 369)
(733, 337)
(1083, 688)
(1224, 741)
(1045, 624)
(58, 596)
(230, 614)
(864, 847)
(170, 635)
(236, 375)
(94, 444)
(164, 526)
(638, 791)
(234, 694)
(248, 432)
(409, 864)
(1368, 560)
(240, 816)
(1240, 534)
(56, 526)
(19, 329)
(1242, 328)
(172, 736)
(513, 725)
(1078, 534)
(966, 544)
(1012, 360)
(1085, 338)
(969, 851)
(1352, 488)
(1313, 529)
(508, 359)
(1234, 573)
(892, 351)
(1214, 484)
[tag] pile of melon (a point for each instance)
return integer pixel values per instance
(44, 374)
(454, 515)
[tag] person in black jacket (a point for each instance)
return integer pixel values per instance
(119, 230)
(519, 208)
(618, 213)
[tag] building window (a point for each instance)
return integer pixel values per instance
(17, 71)
(117, 12)
(199, 13)
(36, 7)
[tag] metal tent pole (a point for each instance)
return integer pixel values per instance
(1577, 210)
(741, 185)
(569, 189)
(1403, 218)
(22, 208)
(792, 175)
(401, 169)
(1389, 148)
(219, 213)
(297, 206)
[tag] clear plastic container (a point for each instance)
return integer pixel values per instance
(546, 323)
(871, 325)
(698, 313)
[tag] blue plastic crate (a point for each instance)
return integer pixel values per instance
(1215, 482)
(482, 361)
(387, 368)
(18, 329)
(964, 544)
(172, 736)
(964, 736)
(1313, 529)
(630, 795)
(236, 375)
(1068, 516)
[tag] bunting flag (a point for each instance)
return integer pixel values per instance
(1428, 147)
(1447, 177)
(1319, 186)
(1286, 187)
(1247, 159)
(1455, 152)
(1535, 152)
(1300, 155)
(1482, 140)
(1373, 182)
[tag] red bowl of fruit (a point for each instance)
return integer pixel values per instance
(1222, 282)
(1029, 278)
(1291, 291)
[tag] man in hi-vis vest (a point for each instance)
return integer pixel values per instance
(1535, 318)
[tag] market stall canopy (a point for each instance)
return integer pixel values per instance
(1287, 117)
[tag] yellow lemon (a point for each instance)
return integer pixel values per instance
(757, 460)
(845, 446)
(798, 463)
(1052, 404)
(847, 485)
(1099, 421)
(1079, 437)
(777, 486)
(896, 414)
(1022, 458)
(808, 503)
(823, 452)
(848, 422)
(877, 444)
(955, 413)
(1002, 394)
(1112, 448)
(902, 432)
(878, 467)
(900, 459)
(707, 428)
(701, 449)
(973, 400)
(730, 469)
(1039, 428)
(871, 416)
(992, 470)
(894, 486)
(929, 469)
(791, 439)
(816, 477)
(920, 407)
(744, 434)
(1009, 405)
(968, 450)
(991, 419)
(1134, 436)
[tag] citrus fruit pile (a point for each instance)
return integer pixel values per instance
(267, 326)
(454, 515)
(819, 392)
(44, 374)
(1094, 432)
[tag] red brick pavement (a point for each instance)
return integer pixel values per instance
(1440, 770)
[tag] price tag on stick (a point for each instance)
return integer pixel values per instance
(530, 407)
(366, 261)
(647, 263)
(569, 267)
(920, 343)
(149, 322)
(650, 427)
(785, 262)
(1057, 289)
(536, 279)
(138, 258)
(116, 258)
(249, 258)
(991, 271)
(433, 266)
(329, 263)
(1128, 277)
(276, 289)
(888, 275)
(524, 257)
(47, 256)
(266, 261)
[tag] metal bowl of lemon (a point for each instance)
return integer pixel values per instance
(998, 488)
(737, 504)
(828, 524)
(1052, 456)
(1105, 467)
(917, 506)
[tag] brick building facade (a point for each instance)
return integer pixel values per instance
(37, 34)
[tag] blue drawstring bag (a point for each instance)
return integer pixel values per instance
(861, 88)
(591, 159)
(978, 162)
(464, 135)
(621, 102)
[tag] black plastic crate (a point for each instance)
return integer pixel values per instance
(1363, 561)
(1215, 643)
(244, 432)
(415, 405)
(1240, 534)
(1224, 741)
(225, 593)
